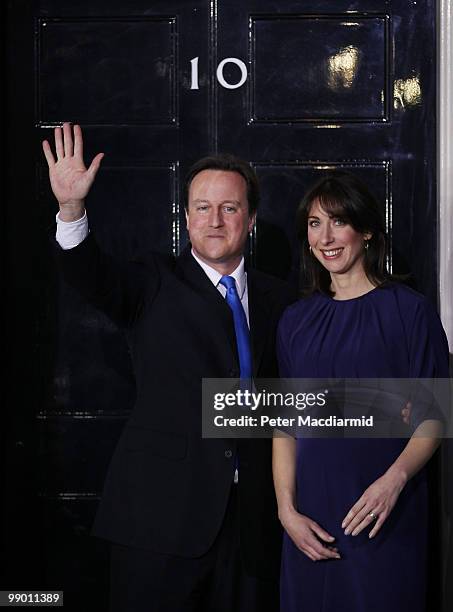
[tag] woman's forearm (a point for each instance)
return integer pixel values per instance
(417, 451)
(284, 472)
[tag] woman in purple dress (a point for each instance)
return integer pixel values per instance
(355, 511)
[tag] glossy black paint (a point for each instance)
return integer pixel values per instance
(360, 92)
(318, 68)
(330, 83)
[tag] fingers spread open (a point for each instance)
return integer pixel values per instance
(59, 143)
(67, 140)
(94, 166)
(48, 154)
(78, 142)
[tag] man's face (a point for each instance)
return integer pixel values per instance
(218, 218)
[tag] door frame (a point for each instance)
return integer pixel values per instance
(445, 164)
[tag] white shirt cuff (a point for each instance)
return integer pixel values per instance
(71, 233)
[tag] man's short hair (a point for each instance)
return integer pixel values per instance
(227, 163)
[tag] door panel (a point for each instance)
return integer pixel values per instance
(330, 84)
(318, 68)
(128, 70)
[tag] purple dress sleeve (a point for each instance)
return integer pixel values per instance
(428, 344)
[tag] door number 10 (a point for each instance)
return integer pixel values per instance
(219, 73)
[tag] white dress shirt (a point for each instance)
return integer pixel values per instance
(240, 277)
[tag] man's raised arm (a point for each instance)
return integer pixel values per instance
(117, 288)
(69, 178)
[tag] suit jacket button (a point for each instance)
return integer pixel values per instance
(228, 454)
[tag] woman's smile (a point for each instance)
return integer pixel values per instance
(332, 253)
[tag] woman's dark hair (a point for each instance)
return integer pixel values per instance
(343, 195)
(228, 163)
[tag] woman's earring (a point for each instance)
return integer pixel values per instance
(367, 245)
(310, 249)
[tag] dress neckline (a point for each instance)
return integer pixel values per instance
(354, 299)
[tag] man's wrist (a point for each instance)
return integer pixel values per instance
(72, 211)
(71, 217)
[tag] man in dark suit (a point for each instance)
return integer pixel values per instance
(192, 521)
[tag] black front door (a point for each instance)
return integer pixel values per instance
(294, 87)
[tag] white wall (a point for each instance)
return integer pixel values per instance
(445, 165)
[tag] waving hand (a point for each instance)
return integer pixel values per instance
(69, 178)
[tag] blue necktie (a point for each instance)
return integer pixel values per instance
(242, 339)
(240, 326)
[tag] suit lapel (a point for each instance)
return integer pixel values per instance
(219, 313)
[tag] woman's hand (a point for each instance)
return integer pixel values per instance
(309, 537)
(375, 504)
(69, 178)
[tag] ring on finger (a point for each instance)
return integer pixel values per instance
(373, 516)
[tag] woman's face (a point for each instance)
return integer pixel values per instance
(335, 243)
